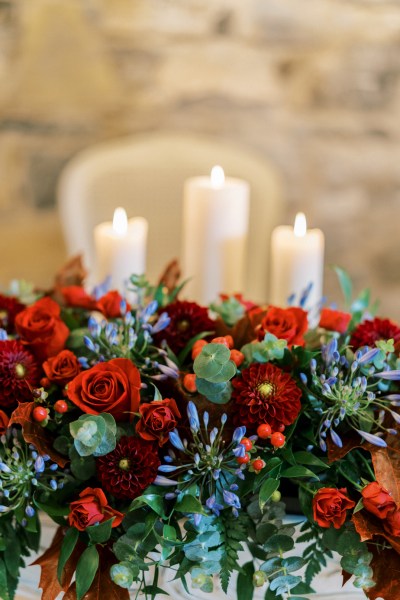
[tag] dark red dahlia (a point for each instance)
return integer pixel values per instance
(371, 331)
(129, 469)
(19, 373)
(265, 394)
(187, 320)
(9, 308)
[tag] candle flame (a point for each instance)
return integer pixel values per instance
(300, 225)
(120, 221)
(217, 177)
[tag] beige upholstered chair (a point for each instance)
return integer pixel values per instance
(145, 175)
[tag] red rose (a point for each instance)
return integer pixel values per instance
(334, 320)
(110, 305)
(288, 324)
(330, 506)
(158, 419)
(392, 523)
(41, 327)
(377, 500)
(92, 508)
(62, 368)
(112, 387)
(4, 419)
(77, 297)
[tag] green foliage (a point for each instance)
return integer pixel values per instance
(234, 531)
(94, 435)
(86, 570)
(124, 574)
(213, 364)
(271, 348)
(230, 310)
(267, 489)
(217, 393)
(245, 587)
(67, 547)
(82, 467)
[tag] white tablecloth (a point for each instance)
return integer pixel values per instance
(327, 584)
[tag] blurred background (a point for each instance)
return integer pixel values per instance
(313, 86)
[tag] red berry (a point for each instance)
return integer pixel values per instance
(230, 341)
(243, 460)
(278, 439)
(237, 357)
(264, 431)
(198, 347)
(281, 428)
(258, 464)
(61, 406)
(189, 383)
(39, 414)
(248, 444)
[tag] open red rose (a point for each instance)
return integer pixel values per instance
(377, 500)
(334, 320)
(92, 508)
(62, 368)
(158, 419)
(110, 305)
(112, 387)
(40, 326)
(288, 324)
(4, 419)
(330, 506)
(77, 297)
(392, 523)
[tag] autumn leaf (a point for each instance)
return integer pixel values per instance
(102, 586)
(34, 433)
(170, 276)
(48, 563)
(368, 527)
(386, 462)
(386, 567)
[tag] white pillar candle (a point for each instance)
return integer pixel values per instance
(215, 226)
(120, 248)
(297, 260)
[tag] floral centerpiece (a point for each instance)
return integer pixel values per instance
(160, 434)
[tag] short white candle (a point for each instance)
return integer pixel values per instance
(297, 260)
(120, 248)
(215, 226)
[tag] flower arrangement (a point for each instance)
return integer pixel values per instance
(162, 435)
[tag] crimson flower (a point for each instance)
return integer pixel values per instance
(265, 394)
(19, 373)
(187, 320)
(371, 331)
(129, 469)
(9, 308)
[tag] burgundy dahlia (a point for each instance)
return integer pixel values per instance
(129, 469)
(19, 373)
(9, 308)
(187, 320)
(265, 394)
(371, 331)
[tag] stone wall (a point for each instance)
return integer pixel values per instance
(313, 85)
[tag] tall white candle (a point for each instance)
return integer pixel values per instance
(297, 260)
(215, 226)
(120, 248)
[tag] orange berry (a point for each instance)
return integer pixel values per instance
(220, 340)
(258, 464)
(237, 357)
(278, 439)
(264, 431)
(281, 428)
(248, 444)
(39, 414)
(197, 348)
(230, 341)
(243, 460)
(61, 406)
(189, 383)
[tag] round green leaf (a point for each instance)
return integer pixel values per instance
(211, 360)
